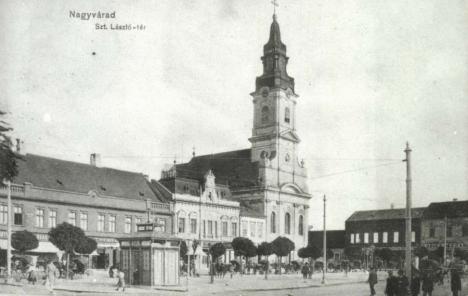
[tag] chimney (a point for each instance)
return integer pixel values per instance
(455, 199)
(392, 206)
(95, 159)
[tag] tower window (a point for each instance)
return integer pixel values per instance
(273, 222)
(287, 115)
(287, 223)
(265, 114)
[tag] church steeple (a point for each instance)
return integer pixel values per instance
(274, 62)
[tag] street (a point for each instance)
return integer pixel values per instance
(348, 289)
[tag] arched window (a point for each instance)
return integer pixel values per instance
(301, 225)
(273, 222)
(287, 223)
(287, 115)
(265, 114)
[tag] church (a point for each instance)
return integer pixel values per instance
(259, 192)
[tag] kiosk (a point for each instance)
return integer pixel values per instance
(150, 258)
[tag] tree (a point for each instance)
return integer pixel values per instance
(8, 158)
(282, 246)
(217, 250)
(265, 249)
(243, 247)
(86, 246)
(24, 241)
(312, 252)
(353, 252)
(66, 237)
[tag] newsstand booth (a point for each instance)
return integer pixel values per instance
(150, 259)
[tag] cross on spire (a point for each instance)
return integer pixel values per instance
(275, 4)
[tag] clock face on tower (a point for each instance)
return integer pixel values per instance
(265, 92)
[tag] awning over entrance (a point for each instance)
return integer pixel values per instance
(44, 247)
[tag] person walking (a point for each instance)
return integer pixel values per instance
(402, 284)
(415, 284)
(121, 280)
(392, 284)
(32, 275)
(372, 280)
(427, 284)
(305, 270)
(455, 283)
(51, 271)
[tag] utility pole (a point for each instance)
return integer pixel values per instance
(408, 263)
(8, 275)
(445, 241)
(324, 239)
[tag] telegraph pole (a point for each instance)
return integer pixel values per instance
(8, 275)
(408, 263)
(445, 241)
(324, 239)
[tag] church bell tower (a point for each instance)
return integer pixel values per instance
(274, 137)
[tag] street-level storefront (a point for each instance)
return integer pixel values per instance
(150, 258)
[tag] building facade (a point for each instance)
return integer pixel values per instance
(335, 242)
(204, 212)
(268, 180)
(382, 228)
(445, 223)
(106, 203)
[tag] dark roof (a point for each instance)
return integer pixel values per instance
(335, 239)
(388, 214)
(233, 168)
(160, 190)
(450, 209)
(71, 176)
(253, 209)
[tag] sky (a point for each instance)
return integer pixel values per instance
(371, 75)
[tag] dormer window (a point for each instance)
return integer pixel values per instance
(59, 182)
(103, 188)
(141, 194)
(186, 188)
(287, 115)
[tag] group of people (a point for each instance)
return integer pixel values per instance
(420, 282)
(306, 271)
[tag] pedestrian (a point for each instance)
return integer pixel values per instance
(427, 284)
(372, 280)
(455, 283)
(136, 277)
(305, 270)
(402, 284)
(415, 284)
(51, 272)
(392, 284)
(32, 275)
(121, 280)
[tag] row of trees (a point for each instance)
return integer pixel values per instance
(66, 237)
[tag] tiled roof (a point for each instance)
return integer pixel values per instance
(335, 239)
(233, 168)
(160, 190)
(450, 209)
(71, 176)
(252, 209)
(388, 214)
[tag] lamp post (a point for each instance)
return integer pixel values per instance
(8, 275)
(408, 214)
(324, 239)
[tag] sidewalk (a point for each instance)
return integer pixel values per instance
(99, 284)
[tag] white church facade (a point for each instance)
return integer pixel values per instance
(259, 192)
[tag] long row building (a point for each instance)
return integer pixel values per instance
(437, 225)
